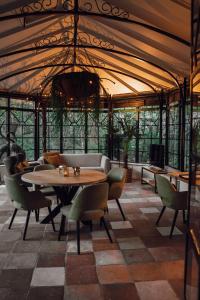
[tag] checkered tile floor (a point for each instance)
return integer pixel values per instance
(141, 263)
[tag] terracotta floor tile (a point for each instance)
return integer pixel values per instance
(173, 269)
(178, 287)
(155, 290)
(124, 233)
(137, 256)
(113, 274)
(124, 291)
(146, 271)
(100, 245)
(83, 259)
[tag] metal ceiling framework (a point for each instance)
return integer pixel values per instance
(74, 41)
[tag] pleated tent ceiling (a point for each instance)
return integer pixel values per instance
(134, 46)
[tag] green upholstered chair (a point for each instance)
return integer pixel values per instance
(46, 191)
(171, 198)
(88, 205)
(116, 180)
(23, 199)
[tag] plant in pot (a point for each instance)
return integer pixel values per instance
(75, 90)
(127, 129)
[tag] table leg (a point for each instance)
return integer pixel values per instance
(142, 171)
(155, 188)
(65, 194)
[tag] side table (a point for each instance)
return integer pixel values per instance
(154, 171)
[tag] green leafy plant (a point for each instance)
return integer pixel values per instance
(74, 90)
(127, 125)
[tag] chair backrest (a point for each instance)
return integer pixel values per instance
(116, 178)
(44, 167)
(20, 157)
(89, 198)
(165, 189)
(10, 164)
(17, 193)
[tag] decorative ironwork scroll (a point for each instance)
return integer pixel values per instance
(85, 38)
(104, 7)
(39, 6)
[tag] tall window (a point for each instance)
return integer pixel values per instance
(174, 135)
(149, 130)
(22, 124)
(74, 132)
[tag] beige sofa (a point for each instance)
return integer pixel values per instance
(95, 161)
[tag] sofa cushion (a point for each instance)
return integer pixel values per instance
(54, 160)
(82, 160)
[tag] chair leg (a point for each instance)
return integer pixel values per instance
(106, 228)
(173, 223)
(26, 225)
(120, 208)
(52, 221)
(62, 227)
(184, 217)
(91, 226)
(37, 212)
(12, 219)
(78, 236)
(160, 215)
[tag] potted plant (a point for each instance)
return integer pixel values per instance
(74, 90)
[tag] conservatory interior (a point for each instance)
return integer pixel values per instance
(99, 149)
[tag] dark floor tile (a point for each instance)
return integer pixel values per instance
(53, 247)
(81, 275)
(166, 253)
(137, 256)
(6, 247)
(163, 241)
(50, 260)
(125, 291)
(13, 294)
(20, 278)
(26, 246)
(50, 293)
(83, 292)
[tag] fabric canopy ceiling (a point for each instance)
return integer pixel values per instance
(134, 46)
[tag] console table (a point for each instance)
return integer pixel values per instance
(154, 171)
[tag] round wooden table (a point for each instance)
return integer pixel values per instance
(53, 178)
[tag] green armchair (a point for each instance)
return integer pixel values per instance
(88, 205)
(171, 198)
(116, 180)
(23, 199)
